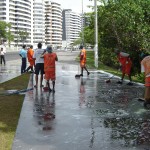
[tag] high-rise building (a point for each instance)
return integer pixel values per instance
(40, 19)
(38, 22)
(18, 13)
(71, 27)
(53, 24)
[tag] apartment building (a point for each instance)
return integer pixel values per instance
(53, 24)
(40, 19)
(38, 22)
(72, 27)
(18, 13)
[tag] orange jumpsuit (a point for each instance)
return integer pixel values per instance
(82, 58)
(30, 53)
(126, 64)
(49, 66)
(146, 63)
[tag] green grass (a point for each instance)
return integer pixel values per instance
(10, 107)
(90, 64)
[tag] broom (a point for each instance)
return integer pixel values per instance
(108, 81)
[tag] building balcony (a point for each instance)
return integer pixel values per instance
(56, 9)
(24, 4)
(23, 16)
(23, 11)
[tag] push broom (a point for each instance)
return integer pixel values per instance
(108, 81)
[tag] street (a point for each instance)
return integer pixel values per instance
(9, 56)
(13, 63)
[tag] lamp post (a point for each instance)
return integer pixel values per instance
(17, 33)
(96, 36)
(82, 26)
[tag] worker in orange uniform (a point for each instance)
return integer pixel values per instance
(49, 67)
(145, 67)
(83, 60)
(126, 65)
(30, 53)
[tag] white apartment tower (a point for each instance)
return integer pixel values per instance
(38, 22)
(53, 24)
(41, 19)
(71, 27)
(18, 13)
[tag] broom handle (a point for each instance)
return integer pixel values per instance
(111, 77)
(114, 75)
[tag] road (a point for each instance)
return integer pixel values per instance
(64, 56)
(12, 56)
(13, 63)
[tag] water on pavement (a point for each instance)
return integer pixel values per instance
(10, 70)
(83, 114)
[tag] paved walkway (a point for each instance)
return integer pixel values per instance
(83, 114)
(10, 70)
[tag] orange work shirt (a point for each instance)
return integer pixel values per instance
(30, 53)
(126, 64)
(146, 63)
(83, 58)
(49, 65)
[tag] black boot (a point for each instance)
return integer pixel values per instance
(130, 83)
(119, 82)
(147, 104)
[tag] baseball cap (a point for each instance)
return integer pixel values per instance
(49, 49)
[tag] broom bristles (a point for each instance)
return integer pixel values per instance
(77, 76)
(108, 81)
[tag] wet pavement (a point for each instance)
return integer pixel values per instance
(83, 114)
(11, 70)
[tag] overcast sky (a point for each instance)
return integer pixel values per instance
(76, 5)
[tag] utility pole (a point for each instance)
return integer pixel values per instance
(96, 35)
(82, 26)
(17, 33)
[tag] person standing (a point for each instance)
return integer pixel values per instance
(2, 53)
(23, 55)
(30, 53)
(126, 65)
(39, 64)
(83, 60)
(145, 67)
(50, 67)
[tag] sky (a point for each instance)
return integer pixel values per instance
(76, 5)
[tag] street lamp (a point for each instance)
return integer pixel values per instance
(82, 26)
(17, 33)
(96, 36)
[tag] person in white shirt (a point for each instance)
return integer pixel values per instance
(2, 53)
(39, 64)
